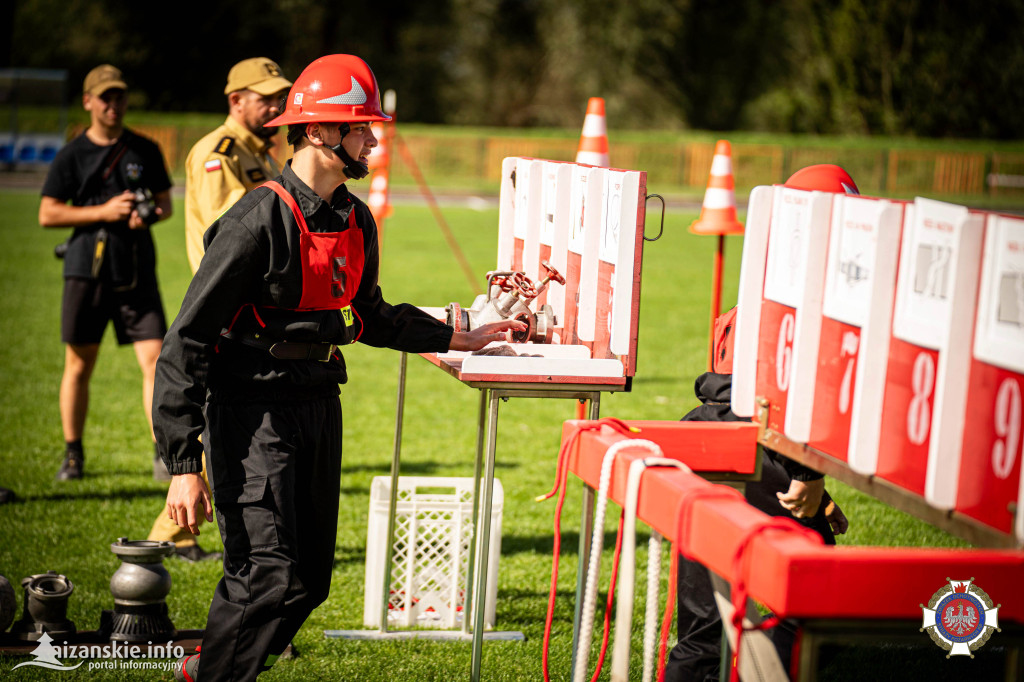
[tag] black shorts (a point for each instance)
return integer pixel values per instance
(89, 304)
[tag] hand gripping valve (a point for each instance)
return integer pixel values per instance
(508, 296)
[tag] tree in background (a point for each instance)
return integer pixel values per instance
(939, 69)
(932, 68)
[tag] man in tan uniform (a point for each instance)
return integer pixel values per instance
(234, 158)
(220, 168)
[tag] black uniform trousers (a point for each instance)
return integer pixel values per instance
(696, 656)
(275, 469)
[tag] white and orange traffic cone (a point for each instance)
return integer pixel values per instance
(379, 162)
(379, 199)
(593, 148)
(718, 218)
(718, 214)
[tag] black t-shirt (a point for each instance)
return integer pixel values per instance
(135, 162)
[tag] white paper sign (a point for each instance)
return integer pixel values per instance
(622, 306)
(522, 215)
(788, 247)
(928, 264)
(609, 252)
(999, 334)
(851, 260)
(580, 176)
(506, 213)
(547, 225)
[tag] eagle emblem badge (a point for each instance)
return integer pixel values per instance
(960, 617)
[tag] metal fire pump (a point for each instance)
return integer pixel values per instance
(8, 604)
(140, 585)
(46, 607)
(508, 297)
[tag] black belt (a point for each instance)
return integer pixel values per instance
(287, 350)
(296, 350)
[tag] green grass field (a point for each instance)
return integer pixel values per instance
(69, 526)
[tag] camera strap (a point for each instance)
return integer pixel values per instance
(105, 168)
(101, 173)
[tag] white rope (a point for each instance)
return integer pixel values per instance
(627, 573)
(596, 547)
(651, 612)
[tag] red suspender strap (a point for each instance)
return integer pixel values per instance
(287, 198)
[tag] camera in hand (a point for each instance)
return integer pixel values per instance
(145, 206)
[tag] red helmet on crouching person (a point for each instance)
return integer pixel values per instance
(823, 177)
(338, 88)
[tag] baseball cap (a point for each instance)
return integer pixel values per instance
(104, 77)
(259, 74)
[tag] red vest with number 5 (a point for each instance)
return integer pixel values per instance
(332, 262)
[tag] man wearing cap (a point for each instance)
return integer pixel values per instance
(234, 158)
(110, 185)
(253, 362)
(220, 168)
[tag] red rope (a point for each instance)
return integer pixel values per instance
(685, 506)
(561, 474)
(666, 619)
(563, 454)
(741, 575)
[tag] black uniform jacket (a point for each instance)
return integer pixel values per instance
(250, 281)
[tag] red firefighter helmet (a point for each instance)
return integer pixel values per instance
(338, 88)
(823, 177)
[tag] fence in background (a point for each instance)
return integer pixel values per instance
(470, 160)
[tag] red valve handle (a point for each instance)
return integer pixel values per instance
(502, 282)
(522, 283)
(553, 275)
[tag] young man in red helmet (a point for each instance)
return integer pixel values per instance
(252, 363)
(786, 488)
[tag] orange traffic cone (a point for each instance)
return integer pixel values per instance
(718, 214)
(380, 162)
(380, 158)
(593, 148)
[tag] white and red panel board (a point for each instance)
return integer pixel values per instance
(507, 214)
(555, 211)
(588, 222)
(621, 247)
(614, 309)
(579, 199)
(593, 219)
(529, 209)
(990, 483)
(860, 281)
(787, 354)
(748, 301)
(535, 221)
(554, 231)
(929, 352)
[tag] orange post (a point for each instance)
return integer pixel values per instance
(718, 217)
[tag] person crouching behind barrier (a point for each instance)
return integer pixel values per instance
(786, 488)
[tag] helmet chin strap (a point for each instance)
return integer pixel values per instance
(353, 168)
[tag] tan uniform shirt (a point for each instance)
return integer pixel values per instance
(219, 170)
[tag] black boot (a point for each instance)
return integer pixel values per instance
(71, 467)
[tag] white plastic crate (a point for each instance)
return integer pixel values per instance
(430, 555)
